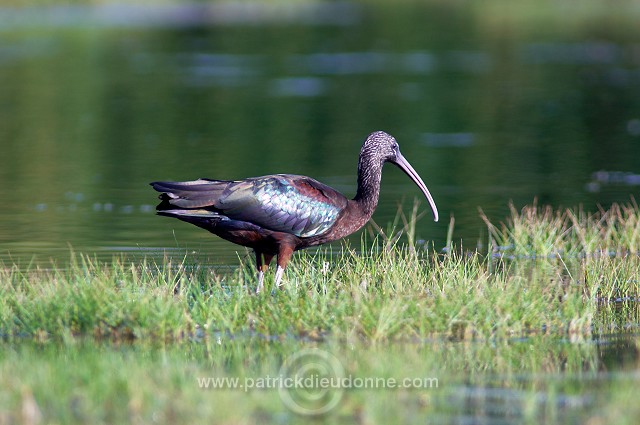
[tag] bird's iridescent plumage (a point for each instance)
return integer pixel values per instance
(281, 213)
(297, 205)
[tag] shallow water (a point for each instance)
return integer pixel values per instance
(488, 106)
(530, 380)
(97, 102)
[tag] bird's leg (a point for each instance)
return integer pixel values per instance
(279, 273)
(284, 255)
(260, 282)
(262, 264)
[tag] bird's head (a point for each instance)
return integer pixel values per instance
(384, 147)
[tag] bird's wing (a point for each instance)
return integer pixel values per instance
(285, 203)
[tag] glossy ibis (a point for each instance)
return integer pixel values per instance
(282, 213)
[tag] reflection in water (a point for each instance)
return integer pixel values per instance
(360, 63)
(589, 53)
(219, 69)
(181, 15)
(459, 140)
(616, 178)
(476, 383)
(298, 86)
(229, 90)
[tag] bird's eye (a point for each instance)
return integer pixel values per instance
(395, 146)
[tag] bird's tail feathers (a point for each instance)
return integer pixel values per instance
(191, 213)
(190, 194)
(208, 220)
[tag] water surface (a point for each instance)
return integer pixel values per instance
(97, 102)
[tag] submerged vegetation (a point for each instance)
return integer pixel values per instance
(565, 273)
(533, 381)
(159, 342)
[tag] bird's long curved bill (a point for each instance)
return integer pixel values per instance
(408, 169)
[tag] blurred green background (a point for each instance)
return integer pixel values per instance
(490, 101)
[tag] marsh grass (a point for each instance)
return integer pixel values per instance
(539, 231)
(554, 272)
(127, 342)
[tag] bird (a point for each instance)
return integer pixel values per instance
(278, 214)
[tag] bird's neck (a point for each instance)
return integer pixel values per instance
(369, 177)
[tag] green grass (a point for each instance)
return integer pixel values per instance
(125, 342)
(569, 233)
(547, 272)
